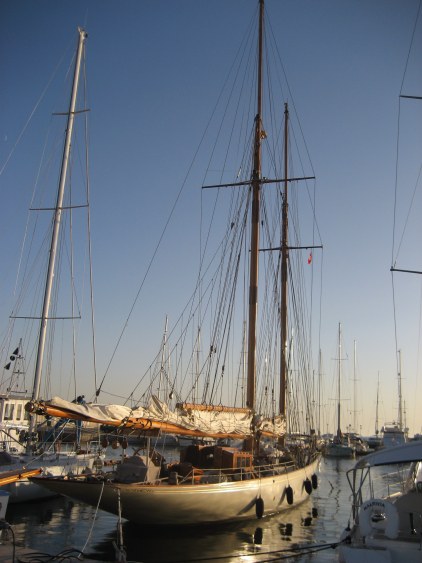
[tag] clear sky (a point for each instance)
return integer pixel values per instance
(155, 69)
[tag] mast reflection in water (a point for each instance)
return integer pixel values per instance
(57, 524)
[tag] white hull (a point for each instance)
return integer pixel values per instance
(376, 552)
(25, 490)
(393, 438)
(187, 504)
(387, 528)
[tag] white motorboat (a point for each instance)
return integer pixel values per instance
(386, 507)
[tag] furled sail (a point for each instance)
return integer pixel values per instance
(186, 419)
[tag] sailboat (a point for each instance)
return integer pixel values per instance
(24, 454)
(394, 433)
(277, 467)
(357, 441)
(340, 445)
(375, 441)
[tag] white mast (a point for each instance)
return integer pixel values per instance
(400, 395)
(57, 219)
(319, 390)
(339, 381)
(162, 388)
(355, 426)
(376, 411)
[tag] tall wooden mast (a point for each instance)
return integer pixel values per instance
(257, 182)
(284, 262)
(256, 188)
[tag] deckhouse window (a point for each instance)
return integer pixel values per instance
(19, 412)
(8, 411)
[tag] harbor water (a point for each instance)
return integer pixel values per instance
(307, 533)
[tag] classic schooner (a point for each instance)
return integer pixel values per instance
(273, 470)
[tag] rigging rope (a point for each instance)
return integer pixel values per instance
(94, 518)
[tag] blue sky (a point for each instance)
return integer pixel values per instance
(155, 70)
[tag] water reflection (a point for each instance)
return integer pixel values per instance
(258, 535)
(225, 542)
(53, 525)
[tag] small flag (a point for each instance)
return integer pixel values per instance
(310, 258)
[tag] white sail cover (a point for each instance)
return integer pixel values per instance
(205, 421)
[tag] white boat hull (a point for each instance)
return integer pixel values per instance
(396, 552)
(187, 504)
(387, 528)
(25, 490)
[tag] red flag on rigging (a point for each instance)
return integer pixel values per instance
(310, 258)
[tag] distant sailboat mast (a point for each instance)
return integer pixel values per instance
(376, 410)
(339, 381)
(162, 392)
(355, 426)
(400, 414)
(319, 390)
